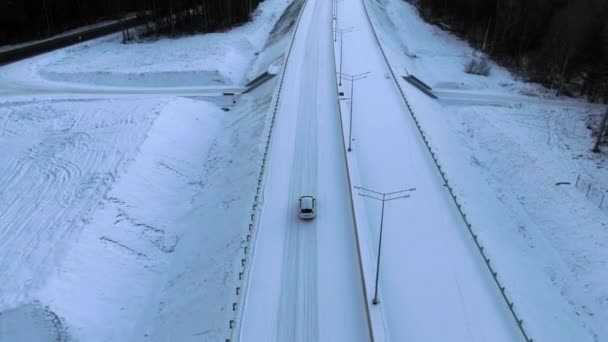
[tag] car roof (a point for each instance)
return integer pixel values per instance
(307, 201)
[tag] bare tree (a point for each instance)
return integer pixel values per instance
(601, 133)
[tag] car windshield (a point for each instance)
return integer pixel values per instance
(307, 211)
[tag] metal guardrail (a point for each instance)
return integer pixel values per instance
(248, 248)
(258, 81)
(480, 248)
(411, 79)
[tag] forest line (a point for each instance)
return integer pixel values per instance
(562, 44)
(25, 20)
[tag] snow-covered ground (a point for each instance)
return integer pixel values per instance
(122, 216)
(505, 160)
(123, 211)
(215, 59)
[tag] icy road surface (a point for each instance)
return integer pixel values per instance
(305, 283)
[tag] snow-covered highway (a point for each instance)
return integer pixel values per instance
(434, 285)
(149, 191)
(305, 283)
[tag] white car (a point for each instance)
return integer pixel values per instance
(307, 208)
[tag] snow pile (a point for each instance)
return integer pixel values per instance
(545, 239)
(194, 300)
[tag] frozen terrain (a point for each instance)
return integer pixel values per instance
(122, 212)
(129, 209)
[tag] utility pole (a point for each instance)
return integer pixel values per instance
(352, 79)
(336, 18)
(386, 197)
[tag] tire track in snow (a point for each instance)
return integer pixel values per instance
(45, 174)
(52, 176)
(4, 121)
(298, 304)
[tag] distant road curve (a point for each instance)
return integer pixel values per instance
(21, 51)
(190, 91)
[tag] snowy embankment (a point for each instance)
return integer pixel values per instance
(215, 59)
(546, 240)
(121, 217)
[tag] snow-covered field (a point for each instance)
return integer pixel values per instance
(547, 241)
(215, 59)
(123, 214)
(121, 217)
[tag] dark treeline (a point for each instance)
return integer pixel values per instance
(560, 43)
(23, 20)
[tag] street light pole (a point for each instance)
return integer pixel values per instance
(392, 196)
(336, 18)
(375, 301)
(342, 32)
(350, 121)
(352, 80)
